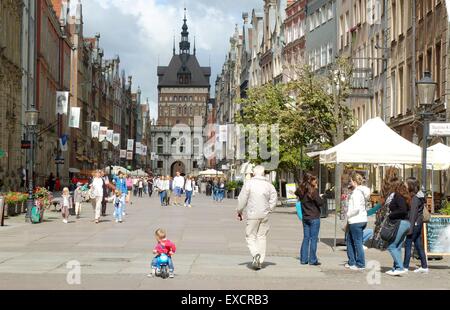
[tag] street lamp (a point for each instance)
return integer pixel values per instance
(105, 146)
(426, 89)
(31, 121)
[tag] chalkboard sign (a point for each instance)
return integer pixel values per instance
(437, 235)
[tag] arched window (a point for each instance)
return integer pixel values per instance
(173, 143)
(185, 110)
(175, 98)
(190, 110)
(182, 144)
(190, 98)
(160, 145)
(185, 98)
(179, 111)
(196, 147)
(181, 98)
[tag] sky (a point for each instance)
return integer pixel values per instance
(141, 33)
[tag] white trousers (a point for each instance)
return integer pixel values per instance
(77, 208)
(256, 234)
(97, 205)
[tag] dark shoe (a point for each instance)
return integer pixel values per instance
(303, 263)
(256, 262)
(316, 264)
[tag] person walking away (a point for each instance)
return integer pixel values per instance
(105, 192)
(165, 246)
(97, 188)
(150, 187)
(57, 185)
(140, 187)
(145, 181)
(221, 190)
(357, 222)
(119, 202)
(398, 212)
(189, 189)
(415, 231)
(78, 199)
(135, 187)
(122, 186)
(215, 189)
(51, 182)
(169, 188)
(258, 199)
(178, 185)
(66, 204)
(312, 203)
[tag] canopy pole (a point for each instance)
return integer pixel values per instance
(432, 189)
(337, 199)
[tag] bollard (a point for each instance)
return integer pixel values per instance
(2, 208)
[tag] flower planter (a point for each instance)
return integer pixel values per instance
(11, 210)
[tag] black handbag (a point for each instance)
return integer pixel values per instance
(389, 230)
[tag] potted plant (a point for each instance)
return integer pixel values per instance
(43, 199)
(239, 185)
(231, 187)
(11, 200)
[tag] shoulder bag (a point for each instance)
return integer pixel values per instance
(426, 214)
(389, 229)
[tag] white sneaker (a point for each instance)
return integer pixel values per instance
(421, 270)
(123, 214)
(65, 221)
(171, 275)
(117, 221)
(395, 272)
(354, 268)
(185, 205)
(365, 248)
(189, 206)
(348, 266)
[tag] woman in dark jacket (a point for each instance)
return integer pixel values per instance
(398, 211)
(311, 205)
(416, 221)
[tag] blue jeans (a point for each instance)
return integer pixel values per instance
(395, 247)
(155, 263)
(188, 197)
(215, 194)
(355, 250)
(124, 198)
(309, 245)
(415, 237)
(367, 234)
(162, 197)
(118, 213)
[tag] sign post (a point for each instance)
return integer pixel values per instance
(437, 236)
(439, 129)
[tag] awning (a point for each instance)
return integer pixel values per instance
(74, 170)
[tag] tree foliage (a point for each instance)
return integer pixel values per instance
(308, 110)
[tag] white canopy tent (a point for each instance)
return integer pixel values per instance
(139, 173)
(116, 169)
(210, 172)
(373, 143)
(438, 157)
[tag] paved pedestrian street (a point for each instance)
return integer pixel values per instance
(211, 253)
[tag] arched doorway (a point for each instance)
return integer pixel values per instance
(177, 166)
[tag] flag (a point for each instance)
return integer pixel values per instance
(95, 128)
(223, 133)
(123, 153)
(130, 145)
(109, 135)
(116, 139)
(138, 148)
(74, 120)
(102, 133)
(62, 102)
(129, 155)
(144, 150)
(63, 142)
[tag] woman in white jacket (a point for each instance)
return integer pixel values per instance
(357, 222)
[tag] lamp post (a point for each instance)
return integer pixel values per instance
(105, 146)
(31, 120)
(426, 89)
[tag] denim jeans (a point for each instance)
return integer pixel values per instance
(118, 213)
(188, 197)
(415, 237)
(162, 197)
(215, 194)
(395, 247)
(309, 245)
(367, 234)
(355, 250)
(155, 263)
(124, 198)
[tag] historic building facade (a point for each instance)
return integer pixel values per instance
(11, 159)
(183, 93)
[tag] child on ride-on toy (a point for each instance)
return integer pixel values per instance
(163, 247)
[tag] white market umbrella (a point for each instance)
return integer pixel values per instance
(210, 172)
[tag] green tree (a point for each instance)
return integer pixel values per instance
(308, 110)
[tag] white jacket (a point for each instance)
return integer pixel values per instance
(356, 212)
(258, 197)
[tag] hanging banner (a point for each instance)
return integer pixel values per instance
(123, 153)
(152, 156)
(62, 102)
(138, 148)
(95, 128)
(74, 120)
(63, 143)
(102, 133)
(130, 145)
(116, 139)
(144, 150)
(109, 135)
(223, 133)
(129, 155)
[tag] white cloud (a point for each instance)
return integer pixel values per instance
(141, 32)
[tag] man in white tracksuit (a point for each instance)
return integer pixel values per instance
(258, 197)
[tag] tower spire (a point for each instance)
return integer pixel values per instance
(174, 45)
(185, 46)
(195, 50)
